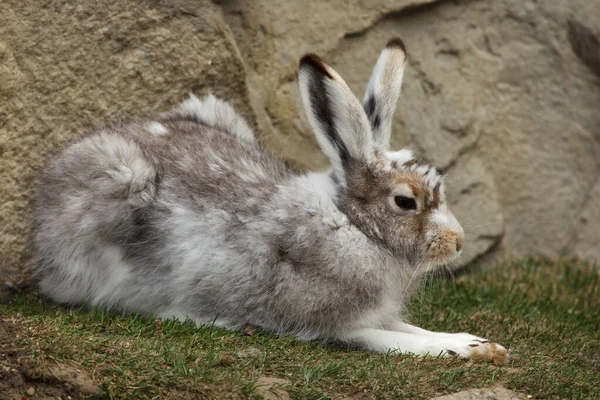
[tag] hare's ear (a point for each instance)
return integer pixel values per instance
(383, 91)
(335, 114)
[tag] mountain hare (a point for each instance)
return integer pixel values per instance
(187, 216)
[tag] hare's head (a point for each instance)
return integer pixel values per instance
(394, 199)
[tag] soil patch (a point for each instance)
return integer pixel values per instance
(25, 377)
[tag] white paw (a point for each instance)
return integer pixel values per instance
(464, 345)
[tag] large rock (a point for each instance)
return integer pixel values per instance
(504, 96)
(502, 84)
(66, 66)
(584, 33)
(585, 239)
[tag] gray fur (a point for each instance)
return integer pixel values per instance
(188, 217)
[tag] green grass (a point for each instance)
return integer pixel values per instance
(547, 314)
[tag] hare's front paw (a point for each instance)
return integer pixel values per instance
(464, 345)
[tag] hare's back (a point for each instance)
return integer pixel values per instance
(203, 165)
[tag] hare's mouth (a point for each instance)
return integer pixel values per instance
(443, 252)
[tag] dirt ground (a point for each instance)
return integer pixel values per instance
(23, 377)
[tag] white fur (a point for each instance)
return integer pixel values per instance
(117, 278)
(319, 199)
(405, 338)
(157, 129)
(400, 157)
(350, 120)
(384, 86)
(217, 113)
(444, 218)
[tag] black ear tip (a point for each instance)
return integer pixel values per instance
(397, 43)
(316, 63)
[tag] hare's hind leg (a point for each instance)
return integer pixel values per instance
(86, 205)
(95, 186)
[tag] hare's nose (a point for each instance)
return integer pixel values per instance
(459, 243)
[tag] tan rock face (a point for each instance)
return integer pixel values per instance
(67, 66)
(504, 96)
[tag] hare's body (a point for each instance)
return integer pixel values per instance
(209, 231)
(186, 216)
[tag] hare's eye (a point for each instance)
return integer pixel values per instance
(405, 203)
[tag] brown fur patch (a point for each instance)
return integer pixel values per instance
(410, 163)
(316, 62)
(436, 198)
(397, 43)
(490, 352)
(444, 246)
(368, 206)
(415, 184)
(380, 160)
(420, 190)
